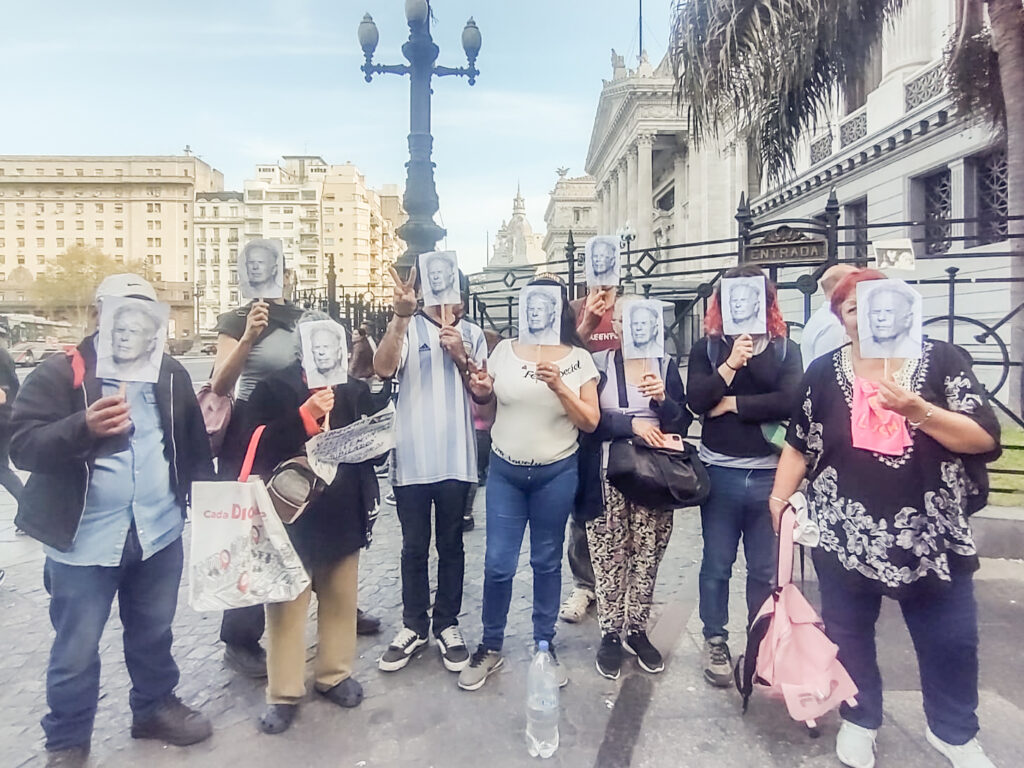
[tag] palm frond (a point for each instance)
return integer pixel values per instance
(769, 68)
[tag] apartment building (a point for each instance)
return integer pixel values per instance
(219, 222)
(283, 202)
(133, 208)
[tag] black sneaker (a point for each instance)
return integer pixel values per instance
(366, 624)
(402, 648)
(647, 656)
(453, 649)
(174, 723)
(468, 524)
(249, 661)
(609, 656)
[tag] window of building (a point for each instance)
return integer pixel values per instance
(938, 207)
(234, 210)
(98, 172)
(119, 224)
(287, 209)
(79, 241)
(79, 172)
(309, 194)
(310, 273)
(79, 224)
(40, 242)
(100, 242)
(79, 208)
(118, 207)
(289, 225)
(40, 224)
(216, 212)
(60, 242)
(99, 224)
(119, 258)
(60, 171)
(992, 196)
(119, 242)
(158, 276)
(119, 171)
(275, 225)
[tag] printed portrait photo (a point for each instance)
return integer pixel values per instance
(324, 353)
(130, 339)
(439, 278)
(540, 310)
(261, 270)
(601, 261)
(743, 305)
(895, 254)
(643, 329)
(888, 319)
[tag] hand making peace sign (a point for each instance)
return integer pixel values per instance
(404, 303)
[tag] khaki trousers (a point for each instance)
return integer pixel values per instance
(336, 589)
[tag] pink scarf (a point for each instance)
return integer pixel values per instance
(874, 427)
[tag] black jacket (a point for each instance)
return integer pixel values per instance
(765, 389)
(52, 441)
(336, 524)
(673, 418)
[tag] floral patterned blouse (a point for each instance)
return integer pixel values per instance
(892, 523)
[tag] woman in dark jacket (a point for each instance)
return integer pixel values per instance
(327, 537)
(743, 387)
(638, 398)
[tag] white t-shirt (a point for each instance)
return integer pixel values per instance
(531, 426)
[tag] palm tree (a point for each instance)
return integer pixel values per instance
(769, 69)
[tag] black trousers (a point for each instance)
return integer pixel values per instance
(414, 502)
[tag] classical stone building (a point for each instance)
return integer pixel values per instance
(646, 171)
(572, 206)
(516, 244)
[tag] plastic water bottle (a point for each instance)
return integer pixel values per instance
(542, 704)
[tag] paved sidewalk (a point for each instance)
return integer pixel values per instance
(418, 718)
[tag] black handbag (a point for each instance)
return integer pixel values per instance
(657, 478)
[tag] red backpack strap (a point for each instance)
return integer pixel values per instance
(250, 454)
(77, 367)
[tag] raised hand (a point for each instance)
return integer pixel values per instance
(320, 403)
(451, 342)
(108, 416)
(480, 382)
(404, 302)
(652, 386)
(550, 374)
(742, 351)
(256, 321)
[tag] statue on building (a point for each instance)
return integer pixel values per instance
(515, 244)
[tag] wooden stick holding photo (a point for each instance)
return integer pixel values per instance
(122, 390)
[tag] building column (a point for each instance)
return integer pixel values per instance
(623, 212)
(906, 44)
(631, 190)
(644, 191)
(613, 201)
(606, 220)
(679, 173)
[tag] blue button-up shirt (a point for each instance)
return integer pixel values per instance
(133, 484)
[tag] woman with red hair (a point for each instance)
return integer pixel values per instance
(743, 387)
(894, 455)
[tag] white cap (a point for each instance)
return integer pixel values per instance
(125, 286)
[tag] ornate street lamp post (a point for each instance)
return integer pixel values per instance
(420, 232)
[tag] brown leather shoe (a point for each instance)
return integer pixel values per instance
(73, 757)
(175, 723)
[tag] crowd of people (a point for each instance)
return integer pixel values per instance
(891, 482)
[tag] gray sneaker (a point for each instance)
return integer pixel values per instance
(717, 662)
(481, 665)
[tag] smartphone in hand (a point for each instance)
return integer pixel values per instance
(674, 442)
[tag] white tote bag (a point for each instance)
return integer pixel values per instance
(240, 554)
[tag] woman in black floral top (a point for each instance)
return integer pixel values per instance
(893, 518)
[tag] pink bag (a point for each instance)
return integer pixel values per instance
(216, 411)
(788, 652)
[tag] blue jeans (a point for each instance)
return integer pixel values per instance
(543, 497)
(737, 506)
(944, 628)
(80, 601)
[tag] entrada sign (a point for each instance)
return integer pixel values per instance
(786, 246)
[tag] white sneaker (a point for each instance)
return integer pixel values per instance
(574, 609)
(855, 746)
(969, 755)
(453, 649)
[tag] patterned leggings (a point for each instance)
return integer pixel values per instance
(626, 547)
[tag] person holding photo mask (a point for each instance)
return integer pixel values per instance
(627, 540)
(737, 385)
(434, 462)
(546, 395)
(327, 537)
(894, 454)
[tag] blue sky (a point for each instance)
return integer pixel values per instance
(246, 82)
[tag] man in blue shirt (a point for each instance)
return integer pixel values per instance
(823, 332)
(112, 466)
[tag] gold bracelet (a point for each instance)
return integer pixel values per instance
(927, 415)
